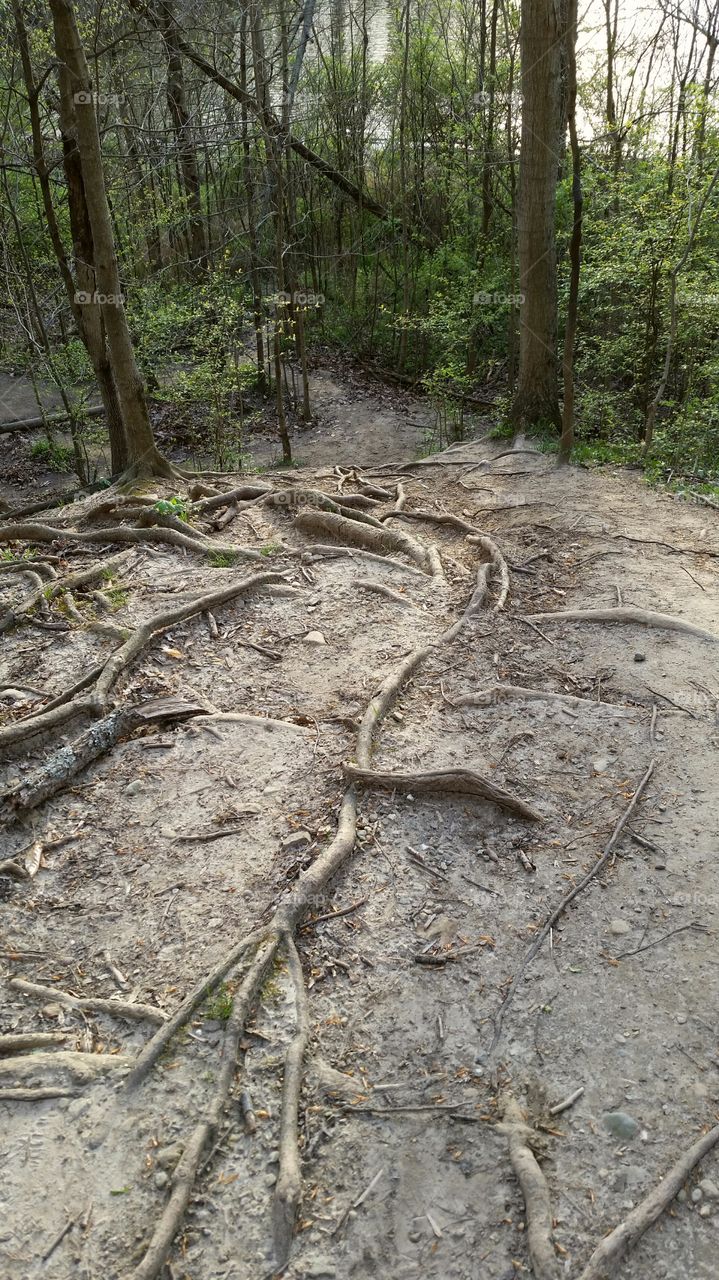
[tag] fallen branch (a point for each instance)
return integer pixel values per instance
(614, 1247)
(126, 1009)
(535, 1192)
(643, 617)
(565, 902)
(446, 782)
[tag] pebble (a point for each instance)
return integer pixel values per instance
(296, 840)
(320, 1267)
(682, 1196)
(167, 1157)
(709, 1189)
(620, 1124)
(161, 1179)
(314, 637)
(705, 1211)
(133, 788)
(618, 927)
(640, 657)
(696, 1195)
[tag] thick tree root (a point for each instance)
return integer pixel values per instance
(30, 1040)
(61, 586)
(34, 533)
(50, 1069)
(370, 539)
(326, 551)
(125, 1009)
(644, 617)
(289, 1181)
(535, 1192)
(614, 1248)
(445, 782)
(565, 902)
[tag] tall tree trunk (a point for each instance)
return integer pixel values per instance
(142, 454)
(536, 401)
(575, 244)
(180, 116)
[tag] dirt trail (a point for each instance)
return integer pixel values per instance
(405, 1172)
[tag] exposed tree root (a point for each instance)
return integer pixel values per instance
(517, 693)
(289, 1181)
(60, 1068)
(644, 617)
(498, 562)
(326, 551)
(614, 1248)
(444, 782)
(35, 1095)
(535, 1192)
(199, 543)
(269, 939)
(381, 590)
(46, 592)
(97, 701)
(30, 1040)
(370, 539)
(565, 902)
(126, 1009)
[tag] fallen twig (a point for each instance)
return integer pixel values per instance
(445, 781)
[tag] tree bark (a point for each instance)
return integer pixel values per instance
(536, 402)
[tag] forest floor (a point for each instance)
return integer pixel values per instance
(140, 872)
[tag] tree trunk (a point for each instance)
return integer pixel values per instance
(180, 116)
(575, 243)
(142, 454)
(536, 402)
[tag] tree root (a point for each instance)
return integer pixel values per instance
(279, 931)
(30, 1040)
(96, 702)
(614, 1247)
(322, 550)
(517, 693)
(565, 902)
(535, 1192)
(370, 539)
(382, 590)
(198, 543)
(62, 1067)
(289, 1182)
(35, 1095)
(88, 1004)
(62, 586)
(444, 782)
(644, 617)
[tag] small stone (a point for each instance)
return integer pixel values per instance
(320, 1267)
(709, 1189)
(296, 840)
(314, 637)
(640, 657)
(133, 788)
(696, 1195)
(161, 1179)
(705, 1211)
(620, 1124)
(600, 766)
(167, 1157)
(682, 1196)
(51, 1010)
(619, 927)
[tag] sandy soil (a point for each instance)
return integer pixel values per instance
(620, 1000)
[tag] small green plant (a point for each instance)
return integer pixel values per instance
(173, 507)
(56, 457)
(219, 1006)
(222, 559)
(271, 549)
(118, 596)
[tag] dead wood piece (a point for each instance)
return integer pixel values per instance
(615, 1247)
(126, 1009)
(446, 782)
(370, 539)
(289, 1181)
(30, 1040)
(535, 1192)
(643, 617)
(60, 1068)
(565, 902)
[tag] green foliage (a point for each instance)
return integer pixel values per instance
(173, 507)
(222, 559)
(219, 1005)
(56, 457)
